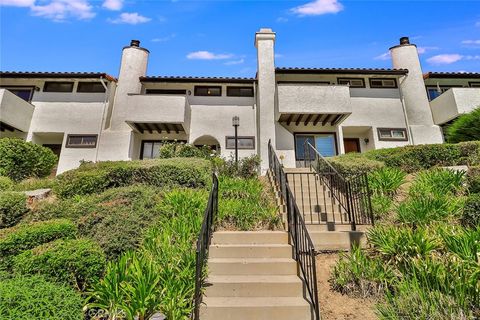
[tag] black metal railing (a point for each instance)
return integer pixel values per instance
(304, 250)
(203, 242)
(352, 194)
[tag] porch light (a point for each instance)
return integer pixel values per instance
(236, 121)
(235, 124)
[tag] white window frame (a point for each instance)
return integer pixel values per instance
(391, 134)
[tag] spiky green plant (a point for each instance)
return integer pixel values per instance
(386, 181)
(438, 182)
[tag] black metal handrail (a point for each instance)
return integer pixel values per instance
(304, 250)
(203, 242)
(352, 194)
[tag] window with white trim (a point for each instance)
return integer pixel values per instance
(81, 141)
(352, 82)
(395, 134)
(243, 142)
(383, 83)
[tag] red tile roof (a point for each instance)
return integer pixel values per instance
(83, 75)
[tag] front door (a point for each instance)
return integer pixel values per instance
(351, 145)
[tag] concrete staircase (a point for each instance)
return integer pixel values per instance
(326, 220)
(252, 275)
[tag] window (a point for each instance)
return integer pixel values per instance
(243, 142)
(324, 143)
(208, 91)
(352, 82)
(151, 148)
(392, 134)
(81, 141)
(474, 84)
(90, 87)
(435, 91)
(58, 86)
(383, 83)
(240, 91)
(26, 93)
(166, 91)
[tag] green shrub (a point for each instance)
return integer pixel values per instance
(20, 159)
(381, 206)
(248, 167)
(74, 262)
(386, 181)
(13, 205)
(437, 182)
(27, 298)
(94, 178)
(352, 164)
(184, 150)
(6, 183)
(471, 211)
(465, 127)
(424, 209)
(24, 237)
(473, 179)
(34, 184)
(356, 273)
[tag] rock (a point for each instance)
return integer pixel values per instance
(38, 194)
(158, 316)
(457, 168)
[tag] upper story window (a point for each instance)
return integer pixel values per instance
(208, 91)
(166, 91)
(383, 83)
(51, 86)
(392, 134)
(240, 91)
(352, 82)
(435, 91)
(26, 93)
(81, 141)
(90, 87)
(474, 84)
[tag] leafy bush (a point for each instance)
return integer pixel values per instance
(386, 181)
(75, 262)
(93, 178)
(352, 164)
(465, 127)
(6, 183)
(184, 150)
(24, 237)
(473, 179)
(248, 167)
(27, 298)
(355, 273)
(13, 205)
(20, 159)
(437, 182)
(471, 211)
(422, 210)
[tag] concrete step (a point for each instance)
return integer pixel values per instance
(255, 308)
(253, 286)
(250, 237)
(337, 240)
(311, 227)
(250, 251)
(252, 266)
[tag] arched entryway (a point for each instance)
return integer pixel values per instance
(207, 140)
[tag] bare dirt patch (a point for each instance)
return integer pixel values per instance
(334, 305)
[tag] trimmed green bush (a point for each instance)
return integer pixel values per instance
(23, 237)
(352, 164)
(465, 127)
(74, 262)
(473, 179)
(6, 183)
(471, 211)
(20, 159)
(28, 298)
(184, 150)
(247, 167)
(13, 205)
(34, 184)
(93, 178)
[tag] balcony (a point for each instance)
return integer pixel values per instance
(453, 103)
(15, 113)
(305, 103)
(158, 112)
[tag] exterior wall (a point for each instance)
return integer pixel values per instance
(453, 103)
(15, 111)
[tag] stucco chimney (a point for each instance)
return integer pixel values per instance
(264, 42)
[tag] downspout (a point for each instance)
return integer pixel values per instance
(255, 115)
(402, 99)
(107, 93)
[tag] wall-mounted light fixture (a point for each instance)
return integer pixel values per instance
(366, 140)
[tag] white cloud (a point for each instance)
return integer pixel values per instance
(278, 55)
(383, 56)
(206, 55)
(234, 62)
(61, 10)
(130, 18)
(164, 39)
(281, 19)
(114, 5)
(422, 50)
(471, 43)
(450, 58)
(17, 3)
(318, 7)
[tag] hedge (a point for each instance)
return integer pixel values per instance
(5, 183)
(473, 179)
(471, 211)
(20, 159)
(23, 237)
(27, 298)
(354, 163)
(13, 205)
(77, 262)
(93, 178)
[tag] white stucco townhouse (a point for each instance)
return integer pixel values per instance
(96, 117)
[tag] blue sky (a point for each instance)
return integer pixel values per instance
(216, 38)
